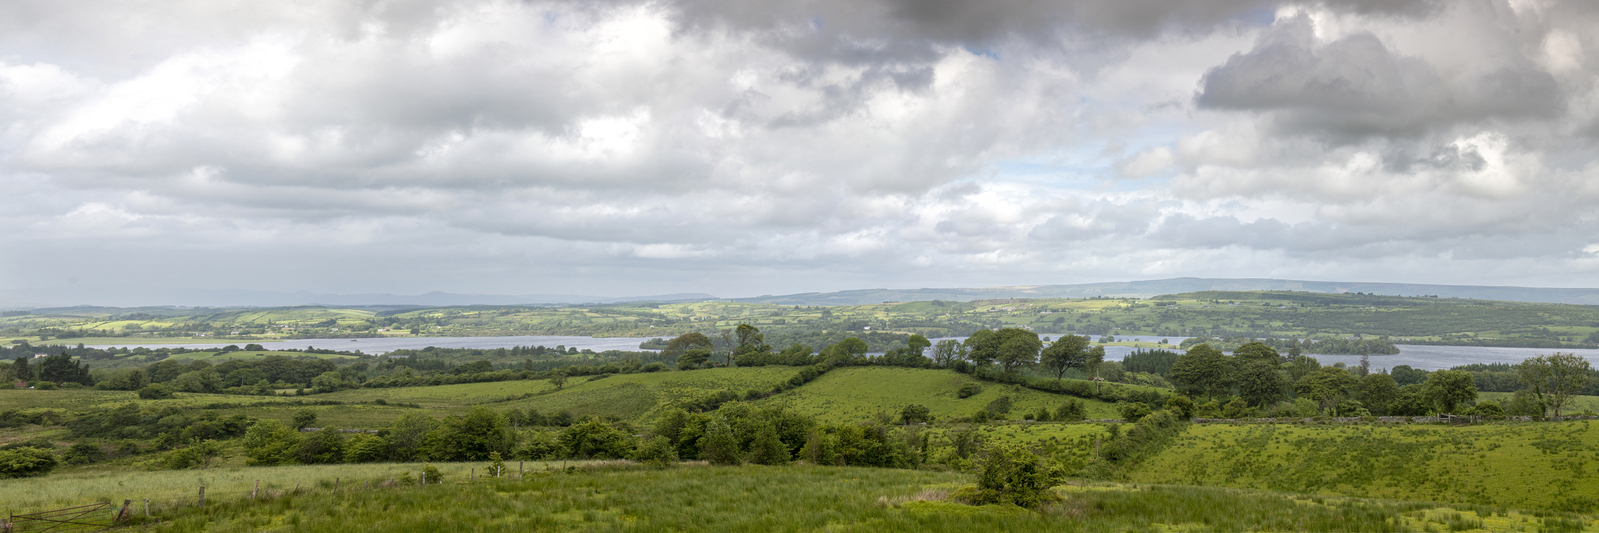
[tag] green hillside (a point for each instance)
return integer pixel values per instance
(859, 393)
(1493, 464)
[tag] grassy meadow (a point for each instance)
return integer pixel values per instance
(1528, 465)
(853, 394)
(620, 497)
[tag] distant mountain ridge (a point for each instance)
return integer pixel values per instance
(1149, 288)
(123, 297)
(132, 297)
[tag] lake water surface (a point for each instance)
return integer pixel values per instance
(1420, 357)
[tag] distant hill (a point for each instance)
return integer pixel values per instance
(1148, 288)
(132, 297)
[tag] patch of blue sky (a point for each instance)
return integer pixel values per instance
(985, 52)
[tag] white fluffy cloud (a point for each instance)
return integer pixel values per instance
(748, 148)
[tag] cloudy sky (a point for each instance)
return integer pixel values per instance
(774, 146)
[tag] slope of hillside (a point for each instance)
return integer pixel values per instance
(859, 393)
(1494, 464)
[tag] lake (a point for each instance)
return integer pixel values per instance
(1420, 357)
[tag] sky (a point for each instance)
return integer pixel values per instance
(614, 147)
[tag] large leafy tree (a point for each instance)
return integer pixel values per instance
(1261, 381)
(1067, 352)
(1553, 379)
(982, 347)
(1203, 371)
(1327, 386)
(1449, 388)
(1379, 392)
(1018, 349)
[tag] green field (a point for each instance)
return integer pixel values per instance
(749, 498)
(1529, 465)
(853, 394)
(1212, 313)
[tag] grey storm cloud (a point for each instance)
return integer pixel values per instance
(521, 146)
(1356, 86)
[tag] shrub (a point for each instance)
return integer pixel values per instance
(1013, 475)
(768, 449)
(155, 392)
(83, 453)
(719, 445)
(1134, 411)
(915, 413)
(1490, 409)
(26, 462)
(1183, 406)
(657, 451)
(1000, 406)
(1072, 411)
(968, 390)
(432, 475)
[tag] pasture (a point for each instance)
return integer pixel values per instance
(1528, 465)
(620, 497)
(852, 394)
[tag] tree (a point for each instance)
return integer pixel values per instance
(1019, 349)
(1450, 388)
(750, 340)
(22, 371)
(914, 413)
(558, 378)
(947, 351)
(26, 461)
(1013, 474)
(1065, 353)
(470, 438)
(1203, 371)
(917, 345)
(690, 360)
(304, 418)
(206, 450)
(1327, 386)
(851, 350)
(408, 434)
(270, 442)
(719, 445)
(1261, 381)
(330, 381)
(768, 449)
(1555, 378)
(685, 342)
(1378, 392)
(60, 368)
(1256, 351)
(982, 347)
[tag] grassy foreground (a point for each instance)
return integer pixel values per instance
(1529, 465)
(804, 498)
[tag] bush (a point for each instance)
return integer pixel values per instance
(83, 453)
(968, 390)
(1073, 410)
(431, 475)
(657, 451)
(1182, 406)
(26, 462)
(1013, 475)
(914, 413)
(1489, 409)
(46, 385)
(155, 392)
(1134, 411)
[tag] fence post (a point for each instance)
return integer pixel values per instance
(257, 489)
(335, 484)
(123, 514)
(519, 465)
(424, 478)
(147, 508)
(471, 474)
(296, 487)
(202, 496)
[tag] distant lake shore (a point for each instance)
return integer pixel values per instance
(1424, 357)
